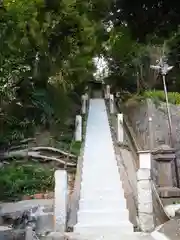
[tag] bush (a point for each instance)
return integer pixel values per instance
(16, 181)
(159, 96)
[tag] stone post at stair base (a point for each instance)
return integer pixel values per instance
(120, 132)
(78, 128)
(111, 103)
(29, 233)
(144, 187)
(84, 104)
(60, 201)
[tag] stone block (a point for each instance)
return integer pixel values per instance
(55, 236)
(45, 223)
(143, 174)
(169, 192)
(144, 184)
(145, 159)
(7, 233)
(145, 207)
(146, 222)
(144, 197)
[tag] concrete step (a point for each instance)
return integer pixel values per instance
(97, 170)
(99, 173)
(109, 236)
(91, 217)
(102, 192)
(104, 229)
(100, 204)
(100, 166)
(100, 179)
(87, 197)
(102, 160)
(117, 186)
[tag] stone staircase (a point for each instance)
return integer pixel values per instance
(102, 205)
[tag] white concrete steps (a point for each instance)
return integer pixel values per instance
(110, 236)
(100, 229)
(118, 193)
(102, 205)
(111, 183)
(105, 216)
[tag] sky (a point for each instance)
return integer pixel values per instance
(101, 65)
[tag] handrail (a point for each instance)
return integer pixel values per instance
(135, 148)
(119, 153)
(75, 197)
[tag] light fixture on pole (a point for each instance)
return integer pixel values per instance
(163, 67)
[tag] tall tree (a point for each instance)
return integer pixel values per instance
(147, 17)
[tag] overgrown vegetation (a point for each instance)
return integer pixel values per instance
(47, 50)
(159, 96)
(46, 60)
(19, 180)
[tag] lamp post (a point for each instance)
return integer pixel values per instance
(164, 68)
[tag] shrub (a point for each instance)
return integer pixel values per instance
(159, 96)
(16, 180)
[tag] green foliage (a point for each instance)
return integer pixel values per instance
(146, 17)
(159, 96)
(47, 50)
(75, 148)
(18, 180)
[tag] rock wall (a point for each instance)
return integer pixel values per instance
(158, 129)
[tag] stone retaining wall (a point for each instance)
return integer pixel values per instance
(138, 115)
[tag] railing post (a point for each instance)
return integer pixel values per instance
(111, 103)
(84, 103)
(120, 132)
(144, 187)
(78, 128)
(60, 200)
(107, 92)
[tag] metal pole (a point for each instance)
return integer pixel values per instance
(170, 129)
(168, 110)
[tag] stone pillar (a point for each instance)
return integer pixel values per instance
(29, 233)
(120, 132)
(78, 128)
(84, 104)
(145, 202)
(107, 92)
(111, 103)
(164, 155)
(60, 201)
